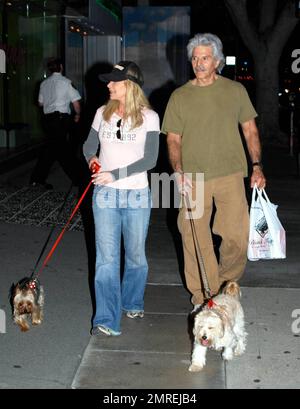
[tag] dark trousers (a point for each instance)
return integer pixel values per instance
(56, 126)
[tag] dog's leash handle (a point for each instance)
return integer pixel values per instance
(95, 167)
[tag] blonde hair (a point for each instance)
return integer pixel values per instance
(135, 101)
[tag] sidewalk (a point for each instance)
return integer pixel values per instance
(153, 352)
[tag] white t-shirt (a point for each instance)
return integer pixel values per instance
(56, 94)
(118, 153)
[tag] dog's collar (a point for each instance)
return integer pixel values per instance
(214, 307)
(33, 284)
(217, 309)
(210, 303)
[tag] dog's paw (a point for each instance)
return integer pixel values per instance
(24, 327)
(22, 324)
(240, 349)
(36, 322)
(195, 368)
(227, 354)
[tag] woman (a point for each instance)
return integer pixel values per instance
(128, 133)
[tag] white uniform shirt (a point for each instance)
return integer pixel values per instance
(56, 94)
(118, 153)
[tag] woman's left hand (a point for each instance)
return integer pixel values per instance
(102, 178)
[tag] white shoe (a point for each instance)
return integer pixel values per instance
(101, 329)
(135, 314)
(196, 308)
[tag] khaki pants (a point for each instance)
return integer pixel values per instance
(231, 222)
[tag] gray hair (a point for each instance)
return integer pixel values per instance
(211, 40)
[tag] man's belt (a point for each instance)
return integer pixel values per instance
(57, 114)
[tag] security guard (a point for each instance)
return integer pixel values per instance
(56, 96)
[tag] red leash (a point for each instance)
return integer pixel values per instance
(95, 168)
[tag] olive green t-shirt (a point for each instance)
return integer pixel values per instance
(208, 118)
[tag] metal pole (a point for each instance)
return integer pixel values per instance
(292, 133)
(292, 98)
(5, 76)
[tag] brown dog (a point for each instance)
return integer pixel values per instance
(27, 301)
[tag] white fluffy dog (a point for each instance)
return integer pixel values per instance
(219, 325)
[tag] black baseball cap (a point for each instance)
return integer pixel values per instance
(124, 70)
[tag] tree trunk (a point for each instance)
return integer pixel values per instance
(267, 105)
(265, 41)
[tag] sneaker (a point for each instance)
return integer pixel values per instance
(196, 308)
(44, 185)
(135, 314)
(101, 329)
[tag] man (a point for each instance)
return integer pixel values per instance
(55, 96)
(202, 125)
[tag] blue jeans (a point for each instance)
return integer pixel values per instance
(117, 212)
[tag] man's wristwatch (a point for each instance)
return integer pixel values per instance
(259, 164)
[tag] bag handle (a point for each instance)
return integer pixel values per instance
(260, 193)
(254, 193)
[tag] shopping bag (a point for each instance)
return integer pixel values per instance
(267, 239)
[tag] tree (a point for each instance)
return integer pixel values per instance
(265, 32)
